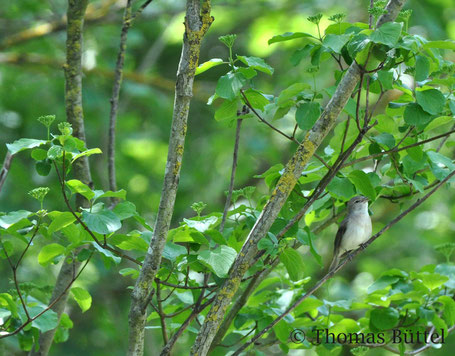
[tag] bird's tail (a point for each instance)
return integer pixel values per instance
(335, 260)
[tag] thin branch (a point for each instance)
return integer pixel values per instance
(396, 149)
(441, 144)
(343, 141)
(197, 309)
(118, 76)
(332, 272)
(16, 283)
(50, 304)
(247, 102)
(128, 19)
(5, 168)
(234, 168)
(161, 314)
(370, 17)
(118, 253)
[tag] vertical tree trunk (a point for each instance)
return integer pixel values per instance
(81, 169)
(197, 22)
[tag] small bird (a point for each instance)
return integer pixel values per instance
(354, 231)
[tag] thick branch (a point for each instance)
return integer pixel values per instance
(279, 196)
(197, 22)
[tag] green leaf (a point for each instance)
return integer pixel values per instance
(289, 36)
(415, 115)
(341, 187)
(6, 300)
(256, 63)
(256, 99)
(54, 152)
(218, 260)
(13, 217)
(307, 114)
(363, 184)
(82, 297)
(60, 220)
(187, 234)
(422, 68)
(388, 34)
(386, 79)
(449, 309)
(383, 319)
(337, 28)
(45, 322)
(43, 168)
(290, 92)
(49, 252)
(308, 305)
(282, 330)
(125, 210)
(335, 42)
(229, 85)
(227, 111)
(433, 280)
(172, 251)
(439, 121)
(382, 282)
(300, 54)
(92, 151)
(121, 194)
(202, 225)
(293, 262)
(439, 324)
(207, 65)
(76, 186)
(134, 273)
(129, 242)
(103, 221)
(23, 144)
(39, 154)
(448, 44)
(247, 72)
(431, 100)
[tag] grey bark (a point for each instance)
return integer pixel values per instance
(197, 22)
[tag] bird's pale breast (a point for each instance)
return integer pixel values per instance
(358, 231)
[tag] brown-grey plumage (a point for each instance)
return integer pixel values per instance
(354, 230)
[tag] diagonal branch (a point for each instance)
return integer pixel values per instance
(279, 196)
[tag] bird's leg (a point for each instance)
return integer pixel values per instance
(363, 246)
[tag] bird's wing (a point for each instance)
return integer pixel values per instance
(339, 236)
(337, 244)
